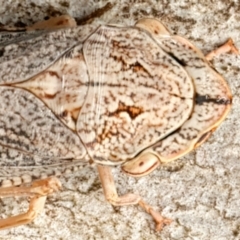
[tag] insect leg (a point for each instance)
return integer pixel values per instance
(226, 47)
(111, 195)
(60, 22)
(38, 192)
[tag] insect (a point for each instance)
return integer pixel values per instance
(134, 96)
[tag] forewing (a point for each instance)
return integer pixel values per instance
(32, 139)
(31, 135)
(14, 36)
(24, 55)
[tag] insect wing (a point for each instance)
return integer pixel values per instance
(31, 136)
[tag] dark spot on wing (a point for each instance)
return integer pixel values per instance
(180, 61)
(201, 99)
(133, 111)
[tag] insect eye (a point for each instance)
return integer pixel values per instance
(204, 137)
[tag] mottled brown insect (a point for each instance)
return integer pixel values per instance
(133, 96)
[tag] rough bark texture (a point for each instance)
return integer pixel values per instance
(200, 192)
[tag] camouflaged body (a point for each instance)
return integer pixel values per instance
(102, 94)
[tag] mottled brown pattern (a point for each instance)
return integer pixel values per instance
(113, 93)
(131, 110)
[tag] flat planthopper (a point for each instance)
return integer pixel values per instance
(135, 96)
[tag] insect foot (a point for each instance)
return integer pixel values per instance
(111, 195)
(158, 218)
